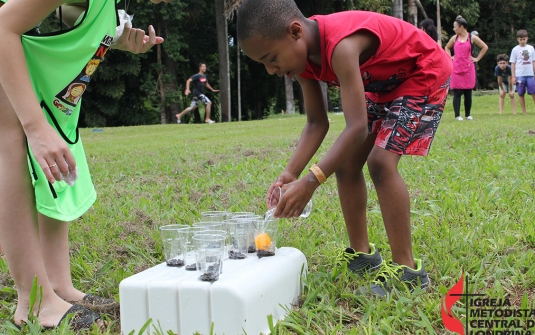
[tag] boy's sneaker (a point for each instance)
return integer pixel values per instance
(459, 118)
(360, 262)
(178, 121)
(469, 118)
(394, 275)
(210, 121)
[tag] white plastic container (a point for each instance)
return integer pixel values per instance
(239, 302)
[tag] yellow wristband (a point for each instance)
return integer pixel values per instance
(320, 176)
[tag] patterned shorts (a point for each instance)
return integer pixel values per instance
(407, 125)
(201, 98)
(525, 83)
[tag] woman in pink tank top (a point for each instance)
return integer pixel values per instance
(463, 78)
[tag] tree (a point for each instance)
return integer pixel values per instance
(224, 68)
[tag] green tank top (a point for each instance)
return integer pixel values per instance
(60, 65)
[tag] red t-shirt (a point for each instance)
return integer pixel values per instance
(407, 62)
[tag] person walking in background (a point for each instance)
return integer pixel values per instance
(463, 78)
(428, 25)
(200, 82)
(502, 71)
(394, 88)
(523, 68)
(45, 181)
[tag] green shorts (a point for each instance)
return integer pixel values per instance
(59, 200)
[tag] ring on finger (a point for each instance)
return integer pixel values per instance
(51, 166)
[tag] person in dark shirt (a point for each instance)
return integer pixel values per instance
(200, 82)
(503, 72)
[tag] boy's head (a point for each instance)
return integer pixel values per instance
(202, 67)
(522, 37)
(271, 32)
(502, 61)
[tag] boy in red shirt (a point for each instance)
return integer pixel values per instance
(394, 83)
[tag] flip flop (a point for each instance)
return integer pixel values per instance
(96, 303)
(82, 319)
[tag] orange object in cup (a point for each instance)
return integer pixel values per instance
(262, 241)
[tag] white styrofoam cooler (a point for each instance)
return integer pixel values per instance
(239, 302)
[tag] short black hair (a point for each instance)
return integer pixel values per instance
(522, 33)
(429, 28)
(266, 18)
(501, 57)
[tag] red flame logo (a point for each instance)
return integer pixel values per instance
(449, 320)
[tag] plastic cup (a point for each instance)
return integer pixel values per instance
(252, 228)
(219, 232)
(276, 195)
(210, 225)
(216, 216)
(266, 237)
(209, 249)
(239, 233)
(188, 247)
(172, 244)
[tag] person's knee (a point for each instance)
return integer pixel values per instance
(379, 168)
(502, 94)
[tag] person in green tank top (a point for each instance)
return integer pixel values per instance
(40, 145)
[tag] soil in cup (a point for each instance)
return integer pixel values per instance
(212, 274)
(175, 262)
(264, 253)
(236, 255)
(191, 267)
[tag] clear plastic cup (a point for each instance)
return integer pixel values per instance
(210, 225)
(188, 247)
(219, 232)
(276, 195)
(209, 249)
(266, 237)
(239, 238)
(216, 216)
(250, 217)
(172, 244)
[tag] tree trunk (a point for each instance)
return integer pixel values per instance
(238, 79)
(325, 93)
(290, 105)
(222, 47)
(300, 100)
(412, 12)
(163, 114)
(397, 9)
(439, 26)
(171, 86)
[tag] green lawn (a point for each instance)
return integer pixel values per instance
(472, 204)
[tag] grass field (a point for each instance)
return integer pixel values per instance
(472, 202)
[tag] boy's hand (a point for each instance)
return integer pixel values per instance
(135, 40)
(295, 198)
(283, 178)
(511, 93)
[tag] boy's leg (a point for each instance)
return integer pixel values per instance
(353, 196)
(513, 102)
(394, 202)
(54, 236)
(521, 88)
(187, 110)
(208, 107)
(19, 235)
(501, 100)
(522, 103)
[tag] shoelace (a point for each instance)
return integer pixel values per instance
(344, 257)
(388, 270)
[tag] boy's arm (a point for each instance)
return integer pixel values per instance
(187, 91)
(210, 88)
(500, 81)
(513, 77)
